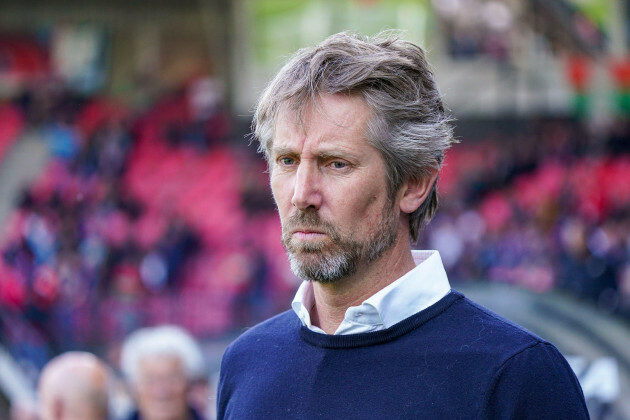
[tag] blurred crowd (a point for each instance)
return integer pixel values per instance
(164, 215)
(138, 218)
(545, 207)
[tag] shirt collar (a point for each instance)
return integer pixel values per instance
(415, 291)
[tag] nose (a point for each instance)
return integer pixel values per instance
(306, 191)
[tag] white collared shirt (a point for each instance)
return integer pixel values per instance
(415, 291)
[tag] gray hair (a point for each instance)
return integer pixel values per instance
(409, 124)
(162, 340)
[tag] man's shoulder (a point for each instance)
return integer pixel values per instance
(486, 330)
(510, 358)
(278, 327)
(520, 365)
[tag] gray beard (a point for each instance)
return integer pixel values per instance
(339, 258)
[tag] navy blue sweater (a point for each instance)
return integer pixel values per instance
(454, 360)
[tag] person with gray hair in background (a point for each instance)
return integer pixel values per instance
(74, 386)
(354, 133)
(160, 364)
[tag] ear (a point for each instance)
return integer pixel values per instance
(415, 192)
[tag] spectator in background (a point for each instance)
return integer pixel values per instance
(161, 363)
(74, 386)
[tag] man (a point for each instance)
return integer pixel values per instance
(74, 386)
(160, 363)
(354, 132)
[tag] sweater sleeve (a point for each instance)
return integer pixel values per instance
(536, 383)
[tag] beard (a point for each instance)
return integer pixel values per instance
(329, 261)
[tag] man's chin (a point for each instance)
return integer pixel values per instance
(316, 276)
(307, 258)
(325, 269)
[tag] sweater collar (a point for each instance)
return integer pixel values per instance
(349, 341)
(415, 291)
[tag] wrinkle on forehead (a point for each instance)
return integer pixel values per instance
(301, 114)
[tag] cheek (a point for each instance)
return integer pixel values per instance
(278, 192)
(365, 211)
(282, 193)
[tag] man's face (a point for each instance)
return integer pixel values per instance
(161, 388)
(330, 187)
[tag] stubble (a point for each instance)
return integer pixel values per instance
(337, 256)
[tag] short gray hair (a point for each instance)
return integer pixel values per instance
(409, 124)
(162, 340)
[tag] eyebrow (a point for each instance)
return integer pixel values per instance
(329, 155)
(324, 155)
(282, 151)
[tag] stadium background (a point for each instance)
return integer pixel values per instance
(130, 196)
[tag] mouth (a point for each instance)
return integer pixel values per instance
(307, 234)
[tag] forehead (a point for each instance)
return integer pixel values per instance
(340, 120)
(160, 363)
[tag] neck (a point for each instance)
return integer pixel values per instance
(333, 299)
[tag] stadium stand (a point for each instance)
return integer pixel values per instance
(11, 125)
(139, 220)
(550, 211)
(133, 222)
(162, 217)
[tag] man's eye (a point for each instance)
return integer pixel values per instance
(338, 164)
(286, 161)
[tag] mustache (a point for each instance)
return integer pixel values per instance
(308, 220)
